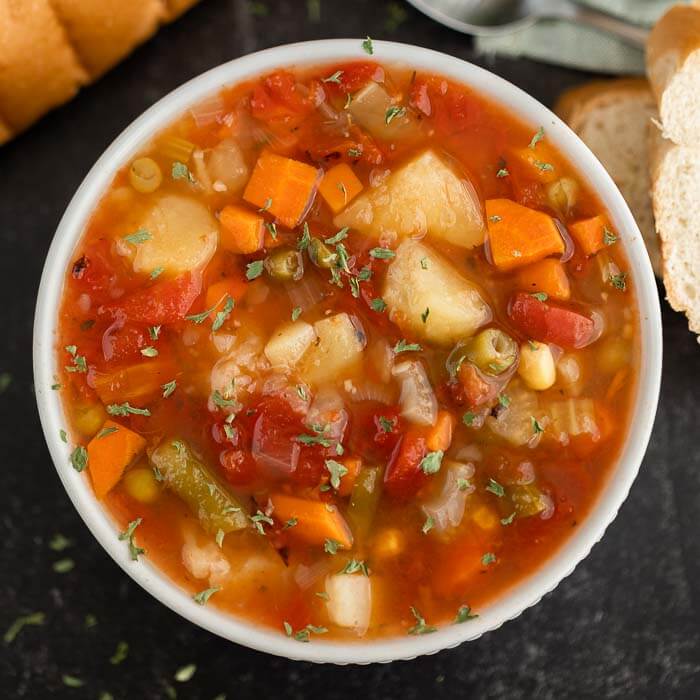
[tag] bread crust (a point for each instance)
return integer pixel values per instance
(574, 104)
(102, 32)
(672, 40)
(660, 149)
(584, 108)
(39, 68)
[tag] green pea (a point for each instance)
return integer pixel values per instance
(320, 254)
(285, 264)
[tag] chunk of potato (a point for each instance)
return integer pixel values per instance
(225, 164)
(420, 279)
(425, 196)
(288, 343)
(336, 351)
(370, 108)
(183, 236)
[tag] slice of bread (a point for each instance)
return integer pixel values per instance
(612, 117)
(673, 67)
(675, 174)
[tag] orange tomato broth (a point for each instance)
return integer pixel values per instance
(437, 572)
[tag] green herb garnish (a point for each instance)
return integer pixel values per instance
(430, 464)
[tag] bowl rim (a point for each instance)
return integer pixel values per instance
(515, 600)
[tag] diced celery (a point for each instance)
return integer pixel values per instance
(192, 481)
(364, 500)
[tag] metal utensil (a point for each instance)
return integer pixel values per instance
(495, 17)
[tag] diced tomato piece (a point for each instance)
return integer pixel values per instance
(168, 301)
(122, 341)
(357, 146)
(471, 387)
(540, 320)
(452, 109)
(94, 272)
(311, 466)
(274, 445)
(419, 98)
(376, 430)
(352, 76)
(276, 99)
(238, 466)
(404, 476)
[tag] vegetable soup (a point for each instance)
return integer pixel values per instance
(348, 351)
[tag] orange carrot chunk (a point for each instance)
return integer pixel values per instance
(137, 383)
(339, 187)
(548, 276)
(315, 523)
(283, 187)
(440, 435)
(533, 163)
(110, 452)
(353, 465)
(241, 230)
(227, 287)
(590, 234)
(519, 235)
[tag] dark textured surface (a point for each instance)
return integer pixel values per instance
(625, 624)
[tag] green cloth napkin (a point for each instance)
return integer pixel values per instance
(577, 46)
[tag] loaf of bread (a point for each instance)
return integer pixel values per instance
(49, 49)
(675, 175)
(673, 67)
(612, 117)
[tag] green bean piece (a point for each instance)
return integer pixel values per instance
(285, 264)
(527, 500)
(320, 254)
(192, 481)
(364, 500)
(492, 351)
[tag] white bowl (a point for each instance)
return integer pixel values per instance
(515, 600)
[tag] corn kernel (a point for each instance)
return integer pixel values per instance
(389, 543)
(141, 485)
(485, 518)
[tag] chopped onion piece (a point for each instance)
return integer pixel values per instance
(209, 111)
(447, 510)
(417, 400)
(305, 293)
(327, 412)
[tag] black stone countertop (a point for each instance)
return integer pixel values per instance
(625, 624)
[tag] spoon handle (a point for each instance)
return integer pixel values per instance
(630, 33)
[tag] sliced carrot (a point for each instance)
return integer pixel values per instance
(241, 229)
(138, 383)
(283, 187)
(548, 276)
(533, 163)
(589, 234)
(440, 435)
(227, 287)
(110, 452)
(316, 521)
(519, 235)
(353, 465)
(339, 187)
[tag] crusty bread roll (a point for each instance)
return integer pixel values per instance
(38, 67)
(673, 67)
(612, 117)
(675, 174)
(50, 48)
(102, 32)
